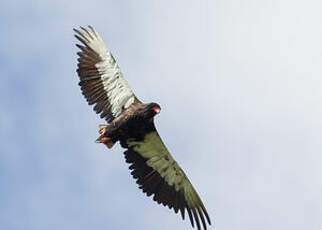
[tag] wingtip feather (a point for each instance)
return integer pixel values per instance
(81, 39)
(202, 218)
(87, 31)
(190, 217)
(206, 214)
(196, 218)
(93, 30)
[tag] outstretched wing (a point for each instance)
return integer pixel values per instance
(101, 80)
(159, 174)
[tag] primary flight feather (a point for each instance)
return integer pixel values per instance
(132, 124)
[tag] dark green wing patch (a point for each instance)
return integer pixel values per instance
(158, 174)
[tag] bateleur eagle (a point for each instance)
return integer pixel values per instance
(131, 122)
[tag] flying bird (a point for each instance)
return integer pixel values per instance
(131, 122)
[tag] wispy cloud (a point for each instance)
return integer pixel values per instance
(239, 84)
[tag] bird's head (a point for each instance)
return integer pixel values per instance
(152, 109)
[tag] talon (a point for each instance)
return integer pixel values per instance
(106, 141)
(103, 139)
(102, 129)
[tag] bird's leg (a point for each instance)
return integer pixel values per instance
(102, 129)
(104, 138)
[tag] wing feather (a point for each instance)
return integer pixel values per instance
(101, 80)
(158, 173)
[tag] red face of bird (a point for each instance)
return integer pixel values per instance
(156, 109)
(153, 109)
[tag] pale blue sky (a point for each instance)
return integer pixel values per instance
(240, 87)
